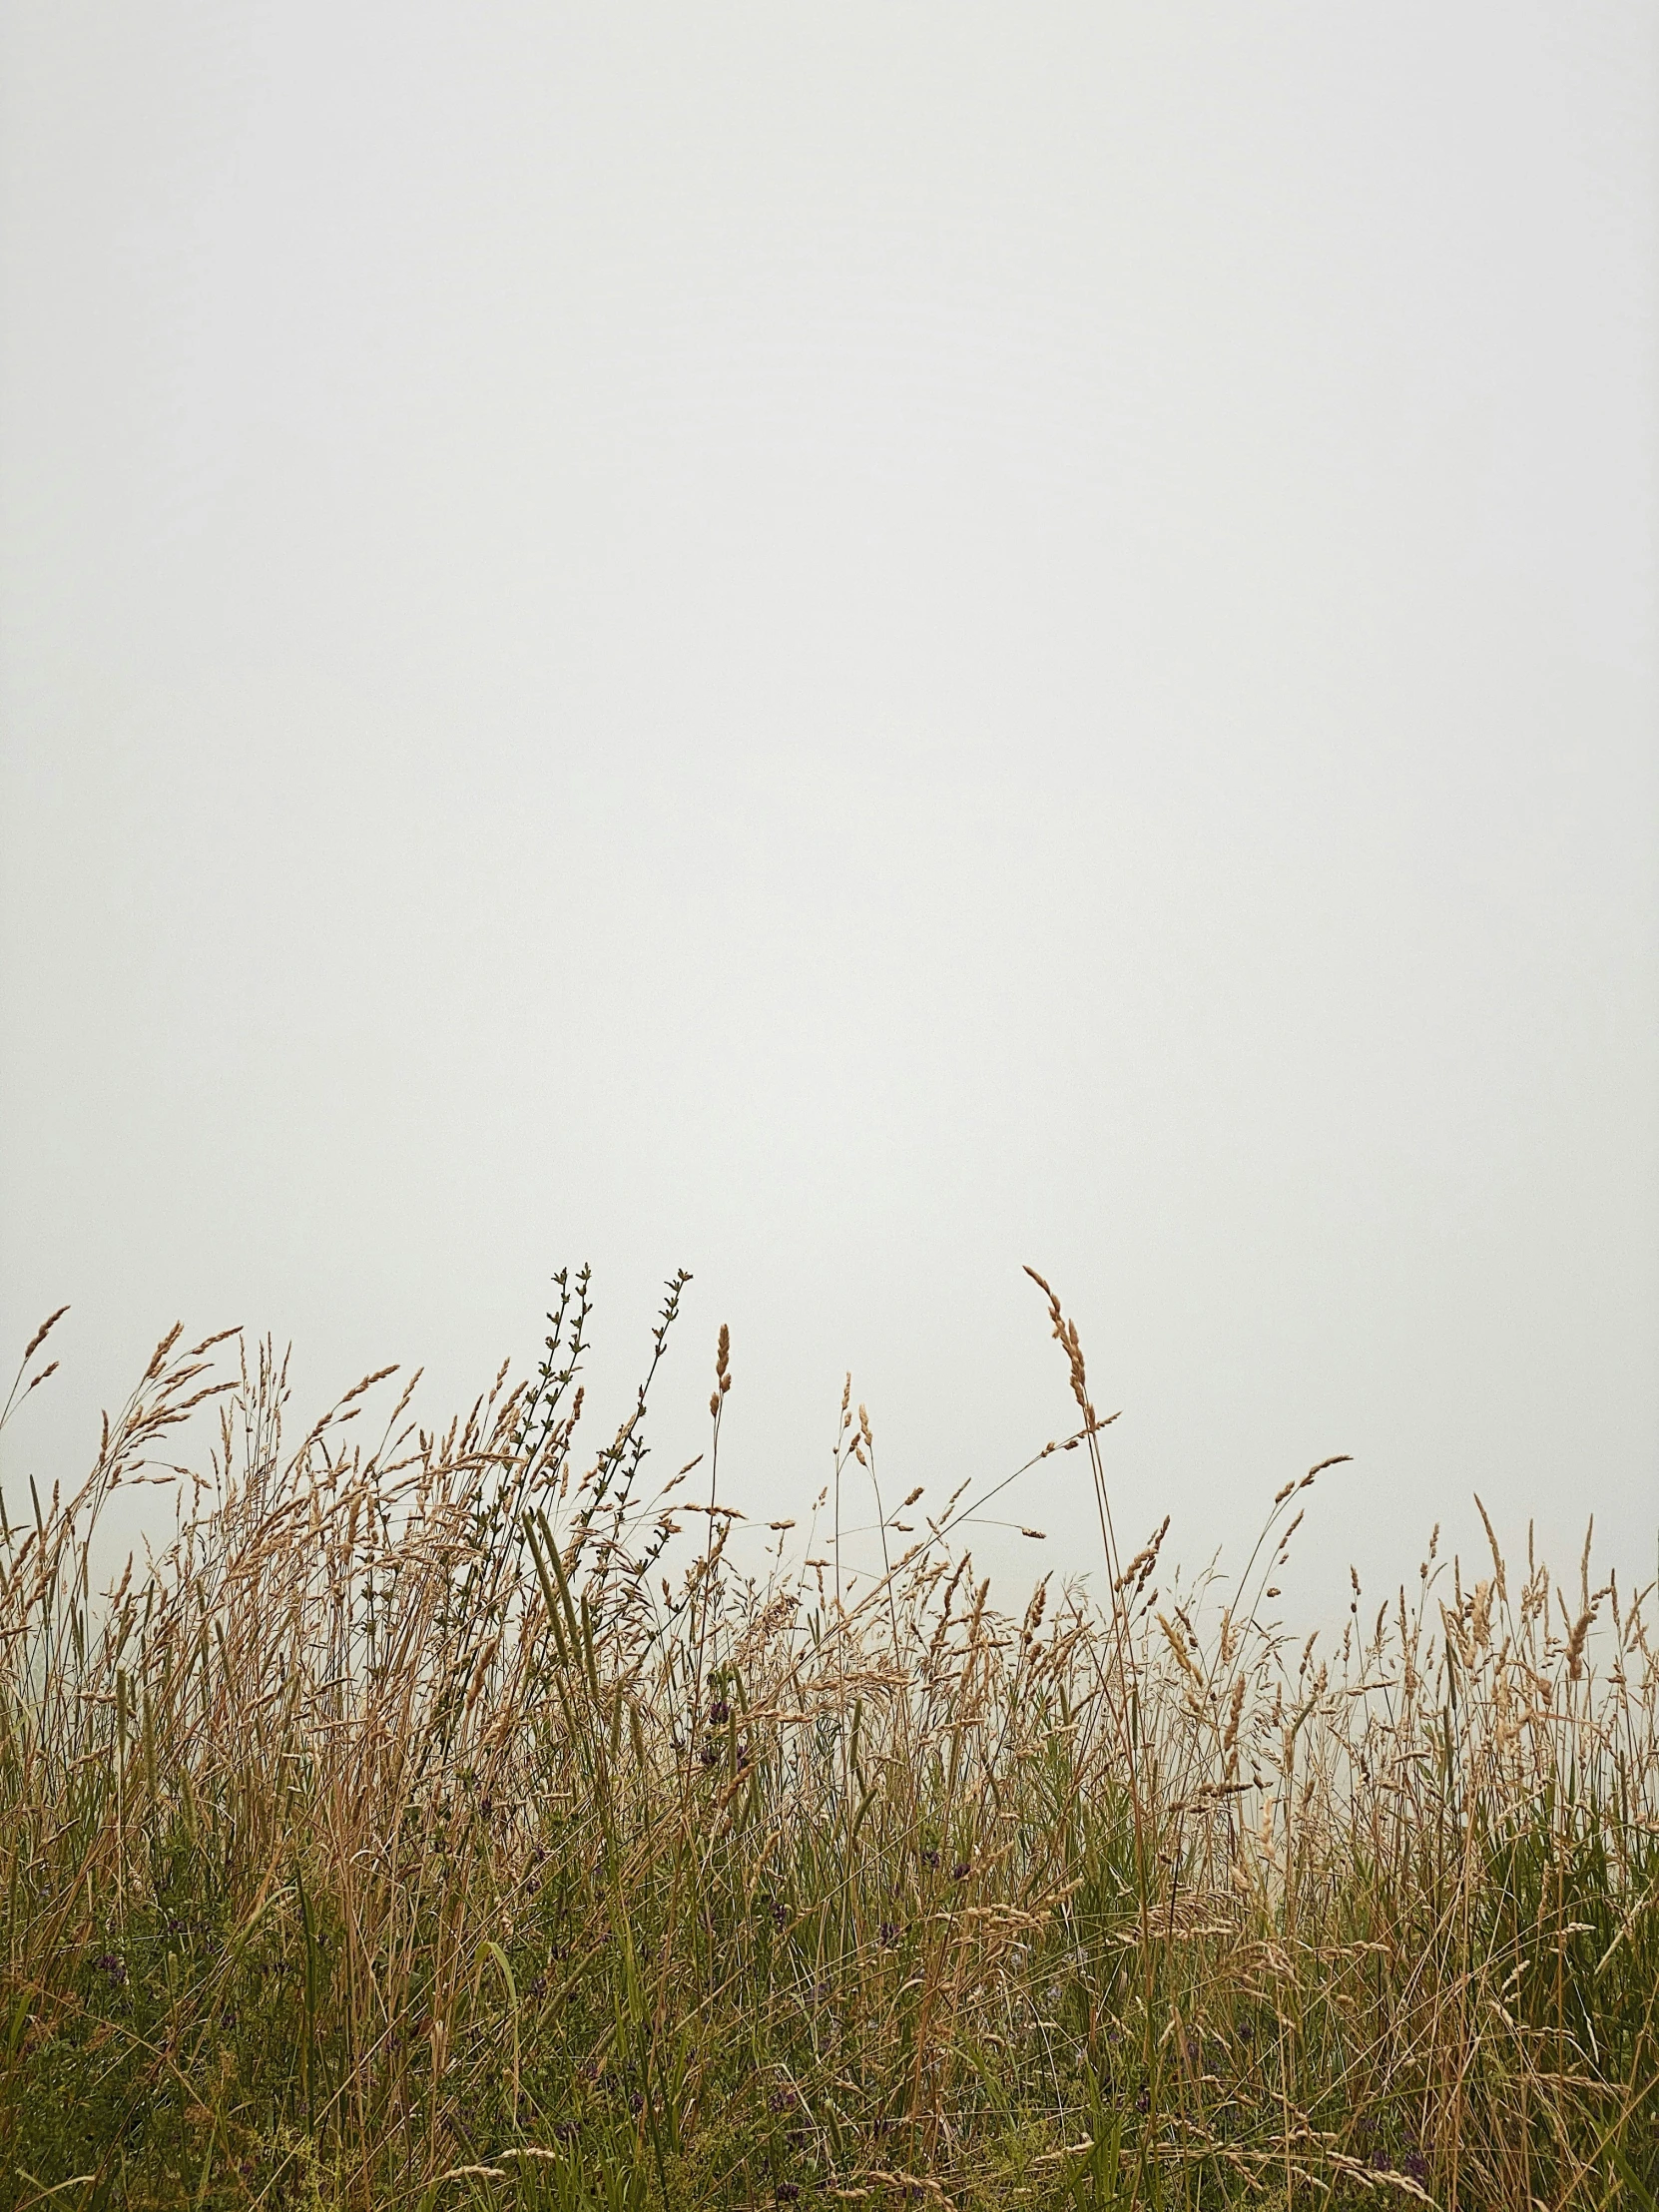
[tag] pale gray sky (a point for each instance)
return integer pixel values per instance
(849, 645)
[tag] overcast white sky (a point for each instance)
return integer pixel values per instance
(849, 645)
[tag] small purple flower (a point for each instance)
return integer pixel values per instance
(930, 1857)
(718, 1713)
(710, 1755)
(889, 1935)
(780, 1915)
(788, 2192)
(960, 1871)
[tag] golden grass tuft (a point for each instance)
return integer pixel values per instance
(424, 1828)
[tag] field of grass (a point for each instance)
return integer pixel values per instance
(461, 1821)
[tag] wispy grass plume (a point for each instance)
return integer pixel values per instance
(426, 1827)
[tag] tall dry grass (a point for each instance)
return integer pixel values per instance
(406, 1833)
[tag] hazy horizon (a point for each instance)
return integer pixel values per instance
(851, 648)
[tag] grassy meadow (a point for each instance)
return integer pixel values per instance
(465, 1820)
